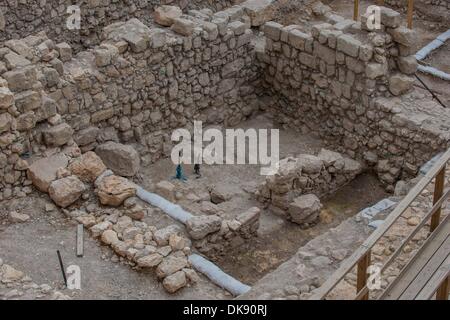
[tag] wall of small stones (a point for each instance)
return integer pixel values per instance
(211, 233)
(19, 19)
(136, 87)
(320, 175)
(348, 85)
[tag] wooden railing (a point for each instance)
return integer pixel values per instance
(410, 12)
(361, 257)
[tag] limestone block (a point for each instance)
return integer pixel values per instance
(165, 15)
(66, 191)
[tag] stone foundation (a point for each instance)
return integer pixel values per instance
(351, 86)
(320, 175)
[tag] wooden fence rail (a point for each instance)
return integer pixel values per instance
(361, 257)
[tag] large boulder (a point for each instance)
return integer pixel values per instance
(114, 190)
(305, 209)
(164, 15)
(66, 191)
(88, 167)
(122, 159)
(200, 226)
(42, 172)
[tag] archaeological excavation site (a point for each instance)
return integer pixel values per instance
(224, 150)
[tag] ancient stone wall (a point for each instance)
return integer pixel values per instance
(350, 86)
(136, 87)
(19, 19)
(434, 9)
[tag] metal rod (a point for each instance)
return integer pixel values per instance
(62, 267)
(429, 90)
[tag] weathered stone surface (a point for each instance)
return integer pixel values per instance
(403, 35)
(175, 282)
(122, 159)
(166, 190)
(65, 51)
(408, 64)
(309, 163)
(18, 217)
(88, 167)
(162, 236)
(348, 45)
(58, 135)
(9, 274)
(98, 229)
(272, 30)
(86, 136)
(42, 172)
(389, 17)
(259, 11)
(249, 217)
(376, 70)
(6, 121)
(6, 98)
(200, 226)
(164, 15)
(109, 237)
(113, 190)
(66, 191)
(170, 265)
(218, 195)
(330, 157)
(305, 209)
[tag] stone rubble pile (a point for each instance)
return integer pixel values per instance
(293, 191)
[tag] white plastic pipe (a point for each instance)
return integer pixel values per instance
(216, 275)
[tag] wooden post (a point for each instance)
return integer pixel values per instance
(355, 10)
(410, 13)
(362, 275)
(80, 240)
(444, 290)
(438, 192)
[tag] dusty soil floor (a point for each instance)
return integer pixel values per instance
(277, 238)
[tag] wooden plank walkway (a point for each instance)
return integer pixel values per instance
(429, 268)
